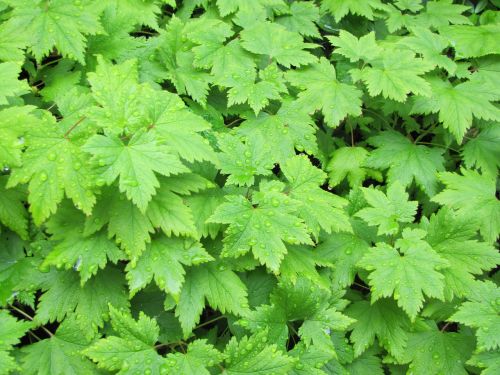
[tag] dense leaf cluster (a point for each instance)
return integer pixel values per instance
(249, 187)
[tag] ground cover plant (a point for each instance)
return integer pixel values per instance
(249, 187)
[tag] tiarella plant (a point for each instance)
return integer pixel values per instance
(249, 187)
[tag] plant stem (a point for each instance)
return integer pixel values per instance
(30, 318)
(445, 326)
(210, 321)
(438, 145)
(73, 127)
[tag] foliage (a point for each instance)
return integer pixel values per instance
(249, 187)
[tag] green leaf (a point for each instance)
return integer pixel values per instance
(188, 80)
(388, 210)
(349, 162)
(472, 195)
(56, 24)
(441, 13)
(262, 225)
(383, 320)
(301, 18)
(277, 43)
(54, 166)
(84, 254)
(320, 90)
(64, 295)
(175, 252)
(18, 272)
(294, 128)
(11, 142)
(169, 212)
(127, 223)
(254, 355)
(483, 152)
(59, 354)
(487, 360)
(205, 204)
(12, 212)
(11, 330)
(310, 359)
(365, 48)
(395, 75)
(366, 364)
(301, 261)
(198, 357)
(407, 274)
(178, 127)
(343, 250)
(221, 287)
(11, 85)
(464, 39)
(340, 8)
(229, 62)
(482, 312)
(131, 349)
(270, 86)
(319, 209)
(453, 238)
(242, 172)
(406, 161)
(431, 46)
(135, 164)
(458, 105)
(299, 301)
(116, 91)
(444, 353)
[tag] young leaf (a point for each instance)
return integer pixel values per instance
(453, 238)
(407, 274)
(481, 312)
(59, 354)
(472, 195)
(382, 319)
(131, 349)
(12, 212)
(11, 330)
(254, 161)
(53, 165)
(174, 252)
(319, 209)
(396, 74)
(388, 210)
(135, 164)
(253, 354)
(340, 8)
(458, 105)
(444, 353)
(364, 48)
(406, 161)
(59, 24)
(262, 225)
(64, 295)
(222, 288)
(277, 43)
(198, 357)
(320, 89)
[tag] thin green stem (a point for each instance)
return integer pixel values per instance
(210, 321)
(438, 145)
(424, 133)
(27, 316)
(376, 114)
(73, 127)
